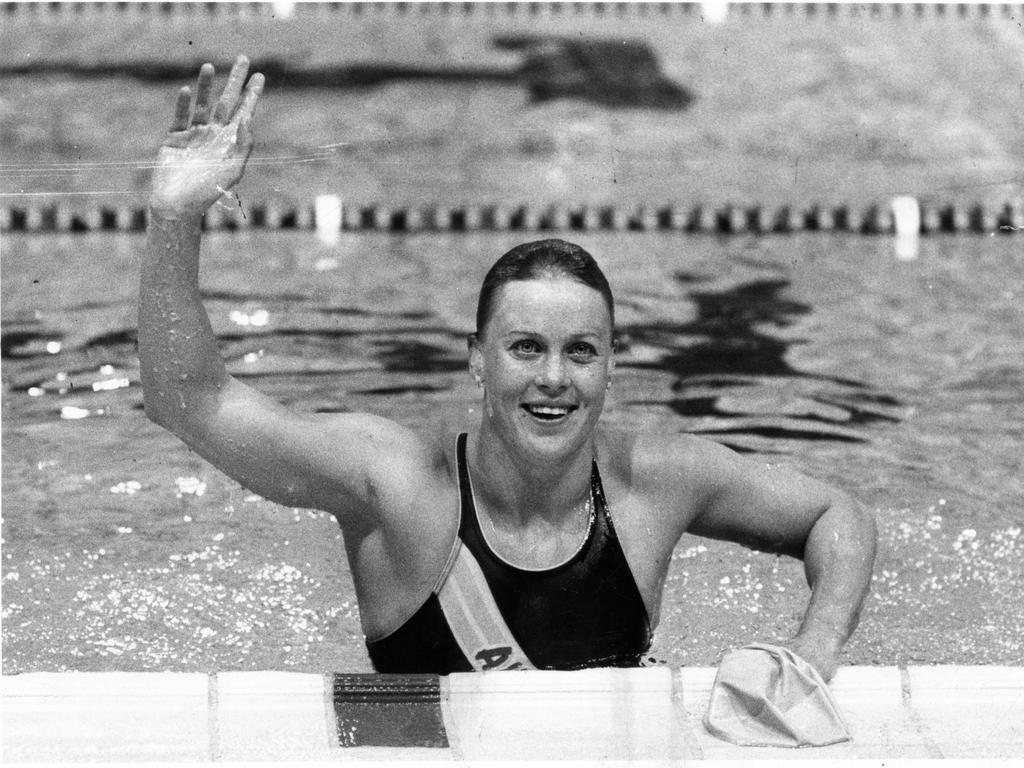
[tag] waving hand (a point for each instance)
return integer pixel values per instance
(205, 151)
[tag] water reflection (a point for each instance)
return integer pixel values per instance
(410, 389)
(730, 367)
(415, 356)
(24, 343)
(728, 348)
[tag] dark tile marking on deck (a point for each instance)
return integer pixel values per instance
(373, 710)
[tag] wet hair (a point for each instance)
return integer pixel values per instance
(541, 259)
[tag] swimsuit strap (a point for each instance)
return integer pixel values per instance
(469, 607)
(585, 613)
(470, 528)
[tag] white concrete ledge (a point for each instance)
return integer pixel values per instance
(652, 714)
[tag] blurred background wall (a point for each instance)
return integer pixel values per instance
(405, 103)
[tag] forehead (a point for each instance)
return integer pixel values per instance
(552, 304)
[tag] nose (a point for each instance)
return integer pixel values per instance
(553, 375)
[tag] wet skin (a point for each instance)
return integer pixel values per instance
(544, 358)
(544, 361)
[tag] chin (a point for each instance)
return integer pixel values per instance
(553, 442)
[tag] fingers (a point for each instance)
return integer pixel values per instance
(253, 91)
(244, 138)
(227, 107)
(181, 110)
(229, 98)
(243, 116)
(204, 86)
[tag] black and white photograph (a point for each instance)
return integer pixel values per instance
(512, 381)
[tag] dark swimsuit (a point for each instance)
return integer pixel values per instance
(586, 612)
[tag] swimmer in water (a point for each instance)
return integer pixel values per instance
(540, 538)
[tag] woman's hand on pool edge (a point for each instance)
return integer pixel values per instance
(821, 653)
(205, 152)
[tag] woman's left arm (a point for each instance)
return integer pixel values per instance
(777, 510)
(839, 554)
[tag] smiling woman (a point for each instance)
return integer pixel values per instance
(582, 520)
(543, 350)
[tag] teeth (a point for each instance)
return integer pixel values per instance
(547, 410)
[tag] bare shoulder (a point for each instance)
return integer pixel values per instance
(657, 484)
(396, 460)
(671, 479)
(651, 461)
(382, 440)
(357, 466)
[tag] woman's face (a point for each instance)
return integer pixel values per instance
(545, 360)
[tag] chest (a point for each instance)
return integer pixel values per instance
(647, 542)
(538, 546)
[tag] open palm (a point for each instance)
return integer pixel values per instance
(205, 151)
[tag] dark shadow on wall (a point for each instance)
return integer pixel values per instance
(612, 73)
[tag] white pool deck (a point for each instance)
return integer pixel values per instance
(653, 714)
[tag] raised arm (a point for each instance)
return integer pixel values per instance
(335, 463)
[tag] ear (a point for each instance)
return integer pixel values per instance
(476, 356)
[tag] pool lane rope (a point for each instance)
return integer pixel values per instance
(709, 10)
(330, 215)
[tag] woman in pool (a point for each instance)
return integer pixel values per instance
(538, 539)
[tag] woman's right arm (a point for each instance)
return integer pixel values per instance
(340, 463)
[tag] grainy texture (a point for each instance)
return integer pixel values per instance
(846, 108)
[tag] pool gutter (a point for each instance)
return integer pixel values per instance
(655, 713)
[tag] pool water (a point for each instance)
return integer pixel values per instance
(898, 380)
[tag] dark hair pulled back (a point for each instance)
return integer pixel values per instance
(541, 259)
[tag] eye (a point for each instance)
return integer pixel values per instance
(581, 351)
(525, 347)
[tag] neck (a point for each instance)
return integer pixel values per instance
(523, 489)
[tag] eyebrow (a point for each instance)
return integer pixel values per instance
(580, 335)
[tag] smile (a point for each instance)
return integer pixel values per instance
(549, 412)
